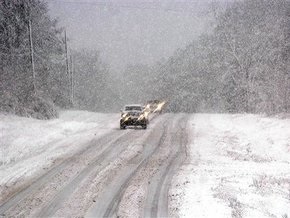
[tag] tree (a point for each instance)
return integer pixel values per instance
(241, 66)
(25, 25)
(251, 34)
(91, 82)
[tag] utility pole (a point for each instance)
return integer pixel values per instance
(72, 80)
(66, 54)
(31, 50)
(68, 70)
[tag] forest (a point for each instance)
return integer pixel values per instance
(241, 66)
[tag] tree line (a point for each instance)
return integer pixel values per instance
(36, 64)
(241, 66)
(27, 31)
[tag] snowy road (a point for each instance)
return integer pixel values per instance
(116, 173)
(82, 165)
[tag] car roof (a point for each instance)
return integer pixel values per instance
(133, 105)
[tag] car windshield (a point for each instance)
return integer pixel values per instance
(133, 108)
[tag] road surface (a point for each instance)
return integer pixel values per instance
(124, 173)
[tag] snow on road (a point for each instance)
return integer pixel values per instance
(238, 166)
(30, 146)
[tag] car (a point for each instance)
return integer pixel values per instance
(133, 115)
(155, 106)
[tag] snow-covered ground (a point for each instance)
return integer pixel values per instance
(30, 146)
(237, 166)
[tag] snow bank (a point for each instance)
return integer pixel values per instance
(30, 145)
(238, 166)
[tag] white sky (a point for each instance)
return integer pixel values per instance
(130, 32)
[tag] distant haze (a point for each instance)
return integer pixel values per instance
(130, 32)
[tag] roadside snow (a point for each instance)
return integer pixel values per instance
(29, 145)
(238, 166)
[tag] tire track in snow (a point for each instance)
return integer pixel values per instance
(158, 205)
(38, 184)
(23, 203)
(148, 189)
(107, 204)
(106, 156)
(113, 150)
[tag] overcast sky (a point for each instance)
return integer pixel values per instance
(130, 31)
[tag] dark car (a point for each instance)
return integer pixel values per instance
(133, 115)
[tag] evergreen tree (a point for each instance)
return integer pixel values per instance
(25, 24)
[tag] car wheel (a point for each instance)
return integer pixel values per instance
(144, 126)
(122, 125)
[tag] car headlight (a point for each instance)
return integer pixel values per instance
(141, 117)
